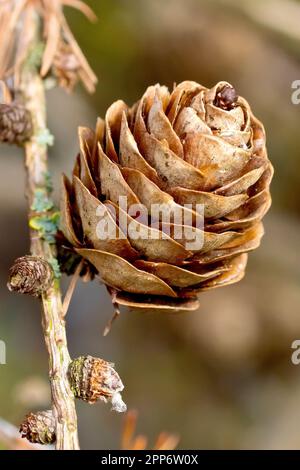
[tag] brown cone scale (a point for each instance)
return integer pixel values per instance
(189, 147)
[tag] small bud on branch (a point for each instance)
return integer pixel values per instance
(30, 275)
(39, 428)
(15, 124)
(94, 379)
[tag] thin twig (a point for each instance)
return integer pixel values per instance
(109, 325)
(63, 402)
(116, 313)
(71, 288)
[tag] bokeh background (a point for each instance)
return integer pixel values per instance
(221, 377)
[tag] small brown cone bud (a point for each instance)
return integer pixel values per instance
(39, 428)
(30, 275)
(94, 379)
(15, 124)
(66, 67)
(226, 98)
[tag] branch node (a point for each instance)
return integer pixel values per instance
(15, 124)
(39, 428)
(94, 379)
(30, 275)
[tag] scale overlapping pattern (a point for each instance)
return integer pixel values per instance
(191, 146)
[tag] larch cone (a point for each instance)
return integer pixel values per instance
(199, 153)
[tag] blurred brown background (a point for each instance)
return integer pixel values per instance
(221, 377)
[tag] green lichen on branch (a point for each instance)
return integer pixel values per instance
(35, 56)
(46, 226)
(56, 268)
(41, 201)
(44, 137)
(48, 182)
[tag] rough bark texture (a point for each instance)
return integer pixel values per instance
(33, 97)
